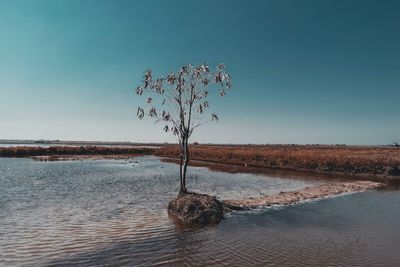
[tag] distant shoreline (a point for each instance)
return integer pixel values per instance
(72, 143)
(160, 144)
(57, 153)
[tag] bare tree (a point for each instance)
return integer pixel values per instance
(180, 100)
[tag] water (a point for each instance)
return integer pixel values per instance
(112, 213)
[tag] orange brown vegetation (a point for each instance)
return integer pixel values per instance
(353, 160)
(26, 151)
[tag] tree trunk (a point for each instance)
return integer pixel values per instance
(186, 161)
(182, 187)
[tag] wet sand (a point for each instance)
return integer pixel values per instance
(292, 197)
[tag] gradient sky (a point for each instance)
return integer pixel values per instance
(302, 71)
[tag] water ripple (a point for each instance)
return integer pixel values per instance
(112, 213)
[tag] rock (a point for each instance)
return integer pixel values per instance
(195, 209)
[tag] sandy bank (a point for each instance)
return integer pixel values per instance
(313, 192)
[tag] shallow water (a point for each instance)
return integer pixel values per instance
(112, 213)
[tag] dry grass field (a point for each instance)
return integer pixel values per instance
(353, 160)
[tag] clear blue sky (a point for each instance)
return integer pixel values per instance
(303, 71)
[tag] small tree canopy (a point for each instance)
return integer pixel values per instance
(180, 100)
